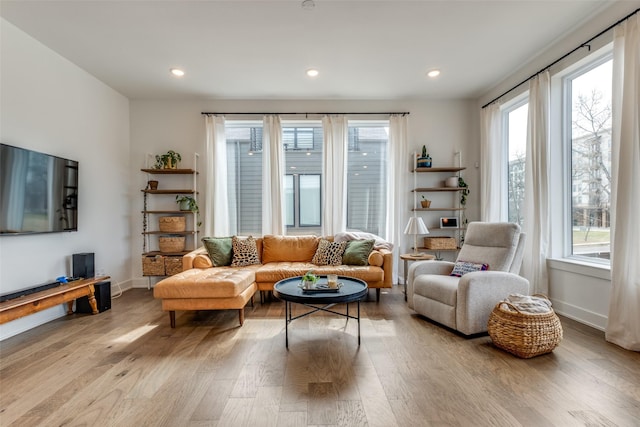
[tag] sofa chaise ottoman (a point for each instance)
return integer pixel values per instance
(203, 286)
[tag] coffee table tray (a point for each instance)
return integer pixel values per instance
(321, 289)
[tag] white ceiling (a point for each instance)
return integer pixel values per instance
(261, 49)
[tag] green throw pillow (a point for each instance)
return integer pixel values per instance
(220, 250)
(357, 252)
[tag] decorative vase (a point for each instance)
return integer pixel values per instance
(451, 182)
(424, 162)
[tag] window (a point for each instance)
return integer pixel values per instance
(303, 164)
(244, 176)
(367, 176)
(515, 119)
(588, 104)
(303, 200)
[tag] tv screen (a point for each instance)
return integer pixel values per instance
(38, 192)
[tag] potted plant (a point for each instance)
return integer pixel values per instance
(424, 161)
(309, 280)
(426, 203)
(169, 160)
(188, 203)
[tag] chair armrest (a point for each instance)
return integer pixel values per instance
(419, 268)
(429, 267)
(479, 292)
(187, 260)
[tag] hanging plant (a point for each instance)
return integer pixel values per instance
(464, 192)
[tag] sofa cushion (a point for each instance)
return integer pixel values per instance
(202, 261)
(245, 252)
(216, 282)
(329, 253)
(443, 289)
(375, 258)
(275, 271)
(357, 252)
(380, 243)
(288, 248)
(220, 250)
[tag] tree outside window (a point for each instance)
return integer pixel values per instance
(591, 161)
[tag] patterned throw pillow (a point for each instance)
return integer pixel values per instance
(462, 267)
(329, 253)
(245, 252)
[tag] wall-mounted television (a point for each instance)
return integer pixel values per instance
(38, 192)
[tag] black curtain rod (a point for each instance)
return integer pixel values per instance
(404, 113)
(585, 44)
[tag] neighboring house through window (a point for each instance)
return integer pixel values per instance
(302, 140)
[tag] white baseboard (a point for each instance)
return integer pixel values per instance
(579, 314)
(141, 283)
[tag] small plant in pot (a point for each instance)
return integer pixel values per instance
(309, 280)
(169, 160)
(426, 203)
(188, 203)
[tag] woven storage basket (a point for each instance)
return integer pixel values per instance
(172, 223)
(524, 334)
(172, 265)
(171, 243)
(439, 242)
(153, 265)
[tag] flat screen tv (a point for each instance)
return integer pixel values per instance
(38, 192)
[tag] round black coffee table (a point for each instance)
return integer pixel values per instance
(289, 291)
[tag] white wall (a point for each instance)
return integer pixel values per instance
(578, 291)
(445, 126)
(50, 105)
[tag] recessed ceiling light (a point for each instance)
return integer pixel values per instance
(312, 72)
(433, 73)
(176, 72)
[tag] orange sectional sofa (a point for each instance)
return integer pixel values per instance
(201, 286)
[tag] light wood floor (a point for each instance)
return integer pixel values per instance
(127, 367)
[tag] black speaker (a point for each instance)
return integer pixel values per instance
(83, 265)
(103, 299)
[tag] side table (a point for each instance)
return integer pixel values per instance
(411, 257)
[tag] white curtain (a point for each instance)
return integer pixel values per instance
(216, 212)
(536, 185)
(398, 168)
(492, 184)
(273, 202)
(334, 175)
(623, 325)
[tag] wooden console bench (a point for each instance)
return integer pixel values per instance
(66, 292)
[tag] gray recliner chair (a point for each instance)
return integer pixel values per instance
(465, 303)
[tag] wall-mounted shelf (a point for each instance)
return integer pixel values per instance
(170, 171)
(169, 191)
(162, 206)
(437, 209)
(452, 206)
(436, 189)
(453, 169)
